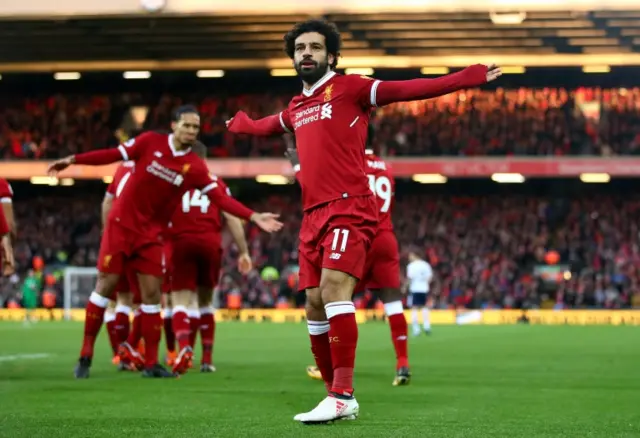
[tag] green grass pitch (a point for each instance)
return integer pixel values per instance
(472, 381)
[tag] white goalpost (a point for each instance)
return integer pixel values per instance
(79, 282)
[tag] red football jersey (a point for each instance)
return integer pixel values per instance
(196, 215)
(120, 179)
(6, 194)
(330, 122)
(382, 185)
(160, 177)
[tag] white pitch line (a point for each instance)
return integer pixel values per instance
(14, 357)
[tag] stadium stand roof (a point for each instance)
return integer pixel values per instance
(260, 37)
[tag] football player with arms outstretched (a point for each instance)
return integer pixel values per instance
(330, 120)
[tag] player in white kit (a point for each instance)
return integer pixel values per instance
(419, 277)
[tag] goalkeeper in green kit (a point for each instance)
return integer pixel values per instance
(30, 291)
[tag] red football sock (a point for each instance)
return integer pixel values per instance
(123, 323)
(94, 315)
(112, 331)
(343, 339)
(207, 334)
(136, 329)
(151, 325)
(181, 326)
(169, 334)
(321, 349)
(398, 325)
(194, 318)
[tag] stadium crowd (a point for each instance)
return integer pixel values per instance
(522, 121)
(484, 249)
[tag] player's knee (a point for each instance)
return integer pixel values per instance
(204, 296)
(206, 301)
(125, 299)
(336, 286)
(181, 298)
(106, 284)
(388, 295)
(314, 313)
(150, 289)
(313, 306)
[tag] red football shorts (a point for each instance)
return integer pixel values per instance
(196, 262)
(167, 255)
(337, 236)
(142, 253)
(382, 268)
(129, 283)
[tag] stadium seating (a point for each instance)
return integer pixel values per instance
(484, 248)
(524, 121)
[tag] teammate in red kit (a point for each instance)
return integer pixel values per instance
(196, 228)
(7, 228)
(165, 169)
(330, 120)
(6, 199)
(382, 268)
(127, 292)
(6, 252)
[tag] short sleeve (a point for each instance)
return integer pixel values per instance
(6, 193)
(134, 148)
(364, 88)
(285, 121)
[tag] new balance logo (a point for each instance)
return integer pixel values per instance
(158, 154)
(335, 256)
(326, 111)
(401, 338)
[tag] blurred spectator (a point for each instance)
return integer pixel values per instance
(524, 121)
(487, 251)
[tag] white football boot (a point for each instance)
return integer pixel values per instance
(329, 410)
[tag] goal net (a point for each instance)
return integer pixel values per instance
(78, 285)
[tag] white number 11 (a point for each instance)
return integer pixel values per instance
(336, 236)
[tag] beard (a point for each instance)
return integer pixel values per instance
(311, 75)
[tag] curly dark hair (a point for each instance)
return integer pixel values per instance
(324, 28)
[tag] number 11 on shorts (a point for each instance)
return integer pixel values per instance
(336, 238)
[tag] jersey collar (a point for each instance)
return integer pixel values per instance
(175, 152)
(323, 80)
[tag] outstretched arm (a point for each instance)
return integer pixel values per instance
(226, 202)
(129, 150)
(386, 92)
(275, 124)
(266, 221)
(93, 158)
